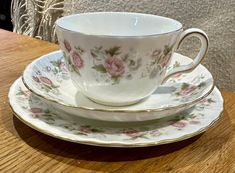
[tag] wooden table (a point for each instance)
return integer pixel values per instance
(23, 149)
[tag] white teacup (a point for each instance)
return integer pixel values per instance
(120, 58)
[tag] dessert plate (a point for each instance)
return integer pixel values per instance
(48, 78)
(38, 115)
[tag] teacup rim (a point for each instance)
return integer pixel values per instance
(57, 25)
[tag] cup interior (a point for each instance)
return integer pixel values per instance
(118, 24)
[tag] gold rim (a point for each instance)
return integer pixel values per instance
(120, 111)
(115, 144)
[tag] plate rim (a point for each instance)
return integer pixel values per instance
(113, 144)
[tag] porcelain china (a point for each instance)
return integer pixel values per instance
(48, 78)
(120, 58)
(38, 115)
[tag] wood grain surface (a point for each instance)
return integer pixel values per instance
(23, 149)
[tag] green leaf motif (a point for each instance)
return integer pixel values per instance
(184, 85)
(115, 79)
(100, 68)
(167, 49)
(97, 130)
(125, 57)
(80, 133)
(76, 70)
(93, 54)
(210, 100)
(176, 64)
(79, 49)
(56, 63)
(20, 93)
(47, 113)
(113, 51)
(69, 61)
(202, 84)
(64, 54)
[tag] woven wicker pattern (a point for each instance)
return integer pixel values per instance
(36, 18)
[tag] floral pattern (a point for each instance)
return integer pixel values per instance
(133, 133)
(190, 90)
(162, 57)
(77, 60)
(45, 76)
(192, 120)
(49, 76)
(45, 82)
(179, 124)
(67, 46)
(114, 64)
(73, 57)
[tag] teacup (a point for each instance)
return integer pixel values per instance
(120, 58)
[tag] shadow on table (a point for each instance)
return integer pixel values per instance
(203, 146)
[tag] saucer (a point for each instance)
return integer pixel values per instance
(37, 114)
(48, 78)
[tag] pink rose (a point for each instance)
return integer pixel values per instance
(179, 124)
(156, 54)
(155, 133)
(85, 129)
(133, 133)
(77, 60)
(45, 81)
(188, 90)
(27, 93)
(67, 45)
(166, 60)
(36, 110)
(114, 66)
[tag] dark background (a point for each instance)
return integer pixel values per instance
(5, 15)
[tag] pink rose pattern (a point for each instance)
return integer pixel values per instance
(67, 46)
(188, 90)
(35, 112)
(45, 80)
(166, 60)
(133, 133)
(84, 130)
(77, 60)
(46, 84)
(114, 66)
(162, 57)
(179, 124)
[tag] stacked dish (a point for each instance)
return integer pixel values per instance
(50, 99)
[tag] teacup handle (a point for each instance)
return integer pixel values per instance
(192, 32)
